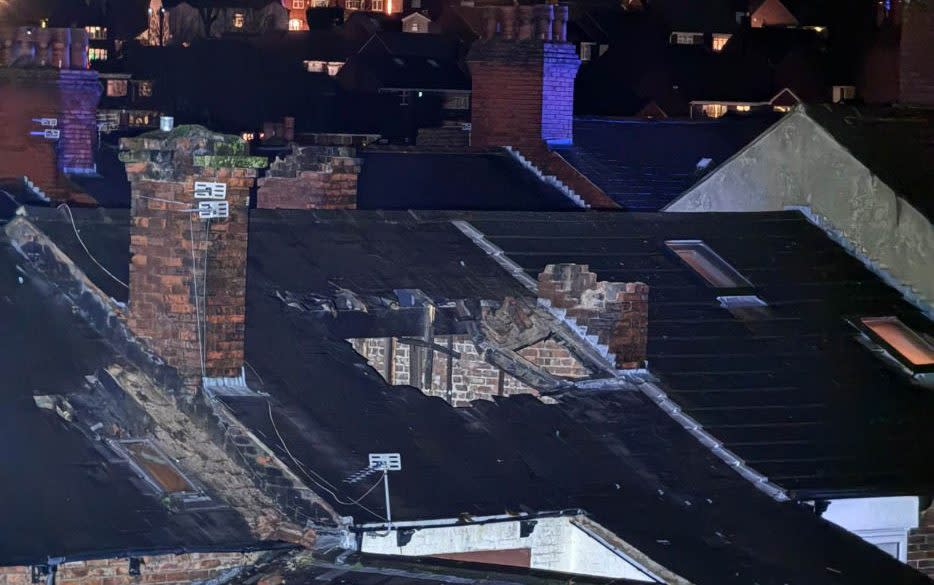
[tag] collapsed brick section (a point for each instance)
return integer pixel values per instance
(188, 275)
(320, 175)
(615, 312)
(168, 569)
(916, 67)
(28, 95)
(460, 380)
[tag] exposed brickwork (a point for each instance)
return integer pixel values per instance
(163, 569)
(916, 69)
(616, 312)
(523, 91)
(60, 48)
(70, 97)
(471, 378)
(921, 544)
(182, 267)
(321, 175)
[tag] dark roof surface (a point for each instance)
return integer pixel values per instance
(611, 453)
(795, 395)
(64, 494)
(895, 144)
(645, 164)
(400, 179)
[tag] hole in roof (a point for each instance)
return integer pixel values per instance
(707, 263)
(155, 466)
(703, 164)
(901, 339)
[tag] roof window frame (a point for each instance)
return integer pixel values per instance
(742, 286)
(878, 344)
(120, 446)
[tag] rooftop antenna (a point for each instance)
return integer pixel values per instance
(384, 462)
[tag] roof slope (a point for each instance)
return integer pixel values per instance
(645, 164)
(65, 494)
(897, 145)
(613, 454)
(405, 179)
(794, 395)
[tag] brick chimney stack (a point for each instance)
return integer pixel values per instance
(523, 72)
(916, 64)
(617, 313)
(187, 270)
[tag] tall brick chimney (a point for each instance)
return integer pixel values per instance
(188, 271)
(523, 72)
(916, 62)
(617, 313)
(48, 108)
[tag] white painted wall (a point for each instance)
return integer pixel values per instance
(797, 163)
(884, 522)
(556, 545)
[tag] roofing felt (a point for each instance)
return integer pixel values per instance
(645, 164)
(613, 454)
(400, 179)
(63, 493)
(897, 145)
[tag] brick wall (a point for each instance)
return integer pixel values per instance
(320, 175)
(170, 290)
(921, 544)
(471, 378)
(70, 97)
(617, 313)
(916, 69)
(163, 569)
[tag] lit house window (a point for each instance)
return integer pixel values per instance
(144, 89)
(95, 54)
(743, 108)
(295, 24)
(352, 4)
(587, 51)
(298, 4)
(719, 41)
(781, 109)
(714, 110)
(155, 467)
(97, 33)
(707, 263)
(334, 68)
(376, 5)
(901, 339)
(239, 19)
(682, 38)
(413, 27)
(116, 87)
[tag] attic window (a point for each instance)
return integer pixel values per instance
(719, 41)
(239, 19)
(155, 467)
(901, 339)
(708, 264)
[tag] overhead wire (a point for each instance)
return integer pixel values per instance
(307, 471)
(86, 251)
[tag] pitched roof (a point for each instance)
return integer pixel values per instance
(452, 179)
(70, 496)
(645, 164)
(613, 454)
(896, 144)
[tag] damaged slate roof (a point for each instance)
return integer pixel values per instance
(410, 179)
(645, 164)
(65, 494)
(612, 453)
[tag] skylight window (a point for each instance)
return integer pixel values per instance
(155, 467)
(902, 340)
(708, 264)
